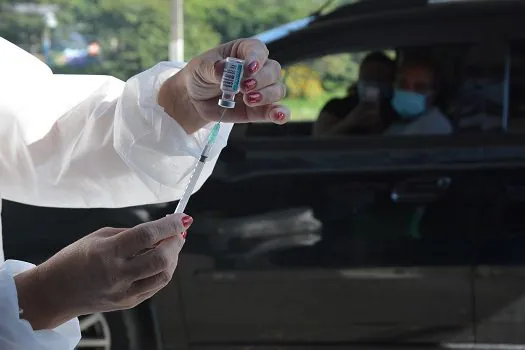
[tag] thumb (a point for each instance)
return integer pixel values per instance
(110, 231)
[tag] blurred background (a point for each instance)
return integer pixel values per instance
(122, 38)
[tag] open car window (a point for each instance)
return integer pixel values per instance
(481, 88)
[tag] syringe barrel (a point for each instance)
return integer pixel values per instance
(188, 191)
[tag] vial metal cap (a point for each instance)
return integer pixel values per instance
(226, 103)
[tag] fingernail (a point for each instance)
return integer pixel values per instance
(254, 97)
(252, 67)
(280, 116)
(184, 234)
(249, 84)
(186, 221)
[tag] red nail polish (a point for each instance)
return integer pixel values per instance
(252, 67)
(280, 116)
(249, 84)
(184, 234)
(254, 97)
(187, 221)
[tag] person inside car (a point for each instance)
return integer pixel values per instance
(479, 102)
(365, 109)
(413, 101)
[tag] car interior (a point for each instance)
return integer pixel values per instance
(495, 106)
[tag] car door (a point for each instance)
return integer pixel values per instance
(500, 231)
(500, 270)
(293, 247)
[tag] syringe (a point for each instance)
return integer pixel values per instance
(230, 86)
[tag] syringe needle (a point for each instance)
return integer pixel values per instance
(199, 166)
(222, 115)
(230, 86)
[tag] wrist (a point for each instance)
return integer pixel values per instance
(350, 121)
(174, 98)
(39, 302)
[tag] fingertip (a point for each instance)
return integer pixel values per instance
(280, 115)
(253, 66)
(186, 221)
(182, 220)
(255, 53)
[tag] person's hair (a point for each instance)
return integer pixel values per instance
(378, 57)
(423, 61)
(374, 57)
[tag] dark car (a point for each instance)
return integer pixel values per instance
(369, 242)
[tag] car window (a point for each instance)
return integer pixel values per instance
(479, 88)
(312, 83)
(478, 105)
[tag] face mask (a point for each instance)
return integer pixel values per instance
(363, 90)
(409, 105)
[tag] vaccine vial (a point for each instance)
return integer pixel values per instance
(231, 82)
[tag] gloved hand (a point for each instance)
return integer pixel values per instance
(197, 87)
(110, 269)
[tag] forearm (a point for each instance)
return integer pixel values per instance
(39, 301)
(330, 125)
(19, 289)
(115, 137)
(343, 127)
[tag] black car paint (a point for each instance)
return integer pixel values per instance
(456, 276)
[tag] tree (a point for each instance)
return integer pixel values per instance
(135, 34)
(25, 29)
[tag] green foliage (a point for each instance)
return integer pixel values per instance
(303, 82)
(23, 29)
(337, 71)
(329, 74)
(308, 109)
(135, 34)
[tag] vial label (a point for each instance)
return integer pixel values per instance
(231, 78)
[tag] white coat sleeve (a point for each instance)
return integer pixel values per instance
(91, 141)
(85, 141)
(16, 333)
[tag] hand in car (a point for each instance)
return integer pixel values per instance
(110, 269)
(365, 115)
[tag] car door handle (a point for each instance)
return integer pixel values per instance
(421, 190)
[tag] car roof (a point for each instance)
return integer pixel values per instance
(353, 9)
(364, 7)
(357, 27)
(283, 30)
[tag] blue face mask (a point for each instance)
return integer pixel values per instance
(408, 104)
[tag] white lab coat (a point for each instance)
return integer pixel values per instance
(84, 141)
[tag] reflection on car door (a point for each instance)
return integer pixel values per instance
(378, 257)
(500, 273)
